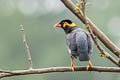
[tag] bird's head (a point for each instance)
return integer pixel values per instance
(66, 24)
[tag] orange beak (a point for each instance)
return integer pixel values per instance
(57, 25)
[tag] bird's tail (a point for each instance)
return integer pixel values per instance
(84, 57)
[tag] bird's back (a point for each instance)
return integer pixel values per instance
(80, 44)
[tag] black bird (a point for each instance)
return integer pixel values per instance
(79, 42)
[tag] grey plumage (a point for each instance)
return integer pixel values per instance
(80, 44)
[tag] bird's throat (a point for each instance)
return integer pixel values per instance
(69, 29)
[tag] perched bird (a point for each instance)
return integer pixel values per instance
(79, 42)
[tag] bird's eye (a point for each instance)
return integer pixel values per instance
(64, 24)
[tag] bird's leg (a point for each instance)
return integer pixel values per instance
(72, 64)
(89, 65)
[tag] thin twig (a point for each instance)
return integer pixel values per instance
(58, 69)
(4, 71)
(102, 51)
(108, 43)
(83, 2)
(27, 47)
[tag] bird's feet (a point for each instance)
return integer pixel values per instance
(89, 65)
(72, 64)
(73, 67)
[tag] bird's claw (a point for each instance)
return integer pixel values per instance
(87, 68)
(89, 65)
(72, 64)
(73, 68)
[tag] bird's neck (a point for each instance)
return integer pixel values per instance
(69, 29)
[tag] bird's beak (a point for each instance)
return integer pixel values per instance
(57, 25)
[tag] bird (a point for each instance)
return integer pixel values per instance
(79, 42)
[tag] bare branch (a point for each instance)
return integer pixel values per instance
(27, 47)
(57, 69)
(102, 51)
(109, 44)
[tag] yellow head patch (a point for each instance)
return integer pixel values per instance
(70, 25)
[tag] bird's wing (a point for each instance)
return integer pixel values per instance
(81, 41)
(90, 43)
(71, 43)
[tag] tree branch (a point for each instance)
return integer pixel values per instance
(102, 51)
(56, 69)
(109, 44)
(27, 47)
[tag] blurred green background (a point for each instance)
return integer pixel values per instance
(48, 45)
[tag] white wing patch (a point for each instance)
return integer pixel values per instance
(69, 50)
